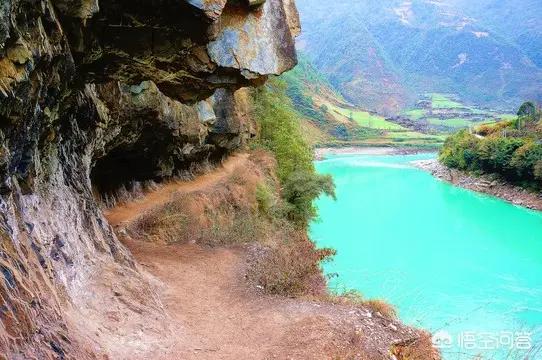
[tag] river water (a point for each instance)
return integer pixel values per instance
(464, 265)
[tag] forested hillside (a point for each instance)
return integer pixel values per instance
(383, 55)
(510, 149)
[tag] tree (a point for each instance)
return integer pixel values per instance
(527, 112)
(527, 109)
(300, 190)
(280, 133)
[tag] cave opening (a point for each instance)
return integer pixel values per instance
(122, 168)
(135, 167)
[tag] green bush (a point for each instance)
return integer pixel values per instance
(460, 151)
(496, 154)
(279, 130)
(526, 113)
(300, 190)
(281, 134)
(525, 159)
(265, 200)
(538, 170)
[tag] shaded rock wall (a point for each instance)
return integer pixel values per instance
(96, 94)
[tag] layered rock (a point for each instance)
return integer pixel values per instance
(95, 94)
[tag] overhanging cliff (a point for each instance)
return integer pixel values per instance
(96, 95)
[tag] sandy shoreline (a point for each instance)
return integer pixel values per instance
(321, 153)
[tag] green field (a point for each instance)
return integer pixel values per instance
(454, 122)
(440, 101)
(392, 134)
(414, 137)
(366, 119)
(453, 114)
(507, 117)
(415, 114)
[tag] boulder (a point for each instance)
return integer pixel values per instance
(270, 51)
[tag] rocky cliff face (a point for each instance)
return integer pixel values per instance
(94, 95)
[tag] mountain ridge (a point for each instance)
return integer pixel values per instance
(400, 49)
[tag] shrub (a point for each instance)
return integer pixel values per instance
(168, 224)
(265, 200)
(174, 222)
(526, 113)
(538, 170)
(355, 298)
(418, 348)
(281, 134)
(300, 189)
(460, 151)
(280, 131)
(489, 129)
(496, 153)
(382, 307)
(245, 227)
(291, 268)
(525, 159)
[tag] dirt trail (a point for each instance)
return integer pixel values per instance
(216, 315)
(130, 211)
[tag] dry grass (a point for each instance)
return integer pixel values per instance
(225, 214)
(490, 129)
(291, 266)
(137, 189)
(356, 299)
(245, 227)
(419, 349)
(382, 307)
(168, 224)
(208, 219)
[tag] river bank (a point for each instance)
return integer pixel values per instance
(488, 184)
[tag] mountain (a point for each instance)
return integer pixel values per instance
(516, 20)
(327, 119)
(384, 55)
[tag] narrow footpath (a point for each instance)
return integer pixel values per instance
(218, 316)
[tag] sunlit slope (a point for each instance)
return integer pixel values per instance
(328, 119)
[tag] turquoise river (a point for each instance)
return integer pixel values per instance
(463, 265)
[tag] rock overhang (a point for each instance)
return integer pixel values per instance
(186, 46)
